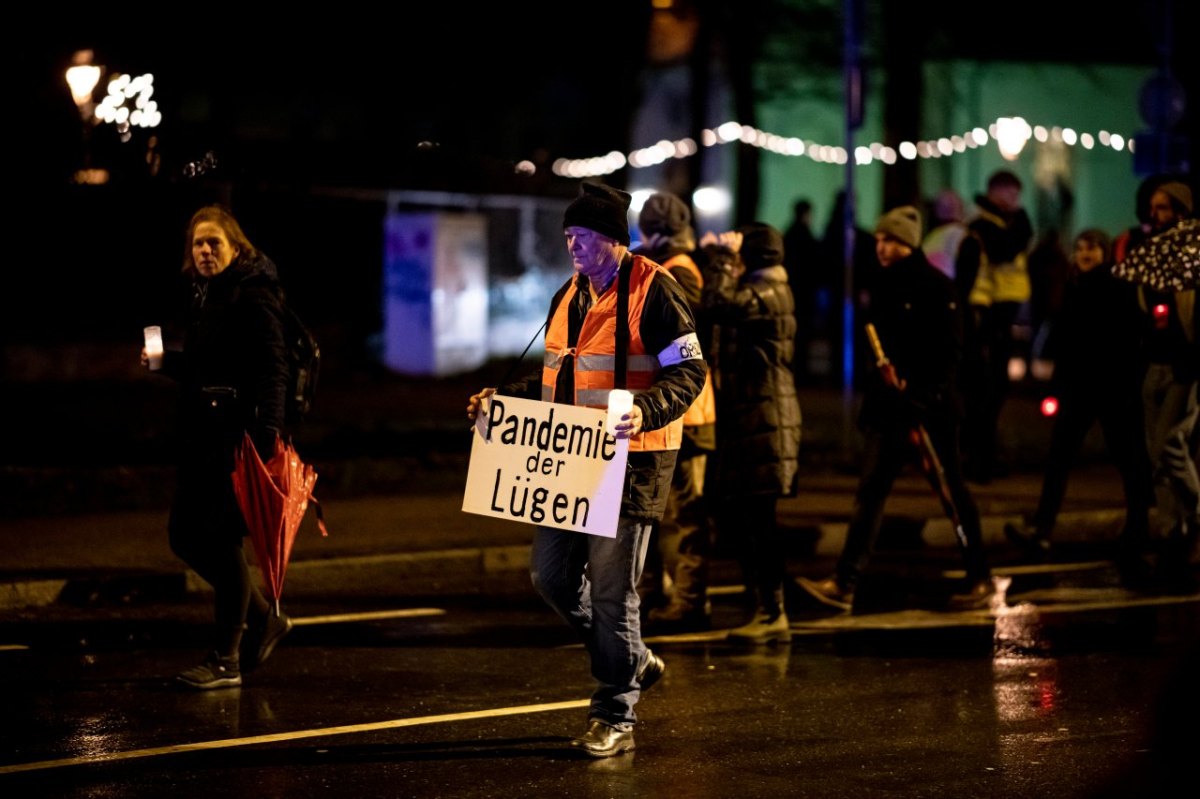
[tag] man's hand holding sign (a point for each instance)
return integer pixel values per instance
(549, 464)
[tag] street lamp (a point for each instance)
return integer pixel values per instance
(82, 77)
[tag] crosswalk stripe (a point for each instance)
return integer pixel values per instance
(295, 735)
(372, 615)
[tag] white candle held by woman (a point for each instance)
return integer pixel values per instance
(620, 402)
(154, 347)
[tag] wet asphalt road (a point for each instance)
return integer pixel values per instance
(1076, 688)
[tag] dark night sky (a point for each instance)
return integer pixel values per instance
(346, 98)
(349, 99)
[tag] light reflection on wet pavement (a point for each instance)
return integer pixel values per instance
(1064, 690)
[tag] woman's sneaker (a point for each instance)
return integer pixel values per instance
(261, 638)
(214, 672)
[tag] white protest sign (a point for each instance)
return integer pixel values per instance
(546, 464)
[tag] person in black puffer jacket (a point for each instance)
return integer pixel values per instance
(749, 313)
(233, 375)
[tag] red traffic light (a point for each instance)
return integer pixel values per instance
(1049, 406)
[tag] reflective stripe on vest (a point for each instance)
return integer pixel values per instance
(595, 353)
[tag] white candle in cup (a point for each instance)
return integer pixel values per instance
(620, 402)
(154, 347)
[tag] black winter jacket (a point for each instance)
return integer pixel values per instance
(1095, 338)
(750, 337)
(232, 370)
(916, 312)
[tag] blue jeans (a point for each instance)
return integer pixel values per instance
(591, 582)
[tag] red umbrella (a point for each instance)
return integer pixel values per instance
(273, 497)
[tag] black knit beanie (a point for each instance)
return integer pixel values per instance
(664, 214)
(602, 209)
(762, 246)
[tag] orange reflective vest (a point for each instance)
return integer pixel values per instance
(595, 353)
(704, 409)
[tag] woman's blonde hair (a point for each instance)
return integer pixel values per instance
(220, 216)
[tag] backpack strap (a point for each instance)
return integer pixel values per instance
(621, 366)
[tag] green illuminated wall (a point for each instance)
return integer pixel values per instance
(959, 96)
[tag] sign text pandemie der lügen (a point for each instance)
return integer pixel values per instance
(547, 464)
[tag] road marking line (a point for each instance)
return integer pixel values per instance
(1038, 568)
(372, 615)
(1112, 604)
(12, 647)
(319, 732)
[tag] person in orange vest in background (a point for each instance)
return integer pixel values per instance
(591, 581)
(681, 543)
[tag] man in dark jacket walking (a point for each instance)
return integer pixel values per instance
(591, 581)
(915, 310)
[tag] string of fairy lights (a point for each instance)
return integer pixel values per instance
(1010, 134)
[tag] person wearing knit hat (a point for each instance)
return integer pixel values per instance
(915, 311)
(749, 301)
(602, 209)
(664, 214)
(1097, 378)
(902, 224)
(1180, 195)
(680, 544)
(591, 580)
(762, 246)
(1171, 349)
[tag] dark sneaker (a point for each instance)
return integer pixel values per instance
(651, 671)
(260, 640)
(214, 672)
(828, 592)
(764, 628)
(1033, 543)
(603, 740)
(1135, 573)
(982, 594)
(678, 618)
